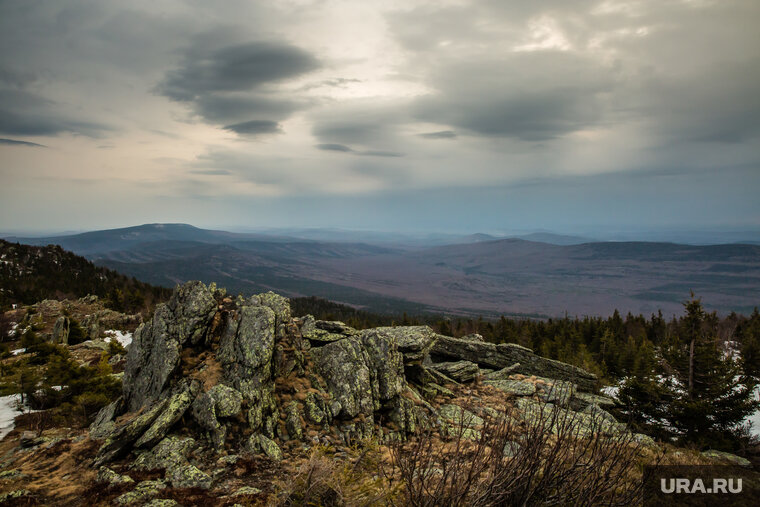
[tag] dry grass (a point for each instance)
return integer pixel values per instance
(513, 463)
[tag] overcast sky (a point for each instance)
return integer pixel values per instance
(396, 115)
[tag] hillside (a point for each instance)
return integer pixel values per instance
(230, 401)
(29, 274)
(481, 276)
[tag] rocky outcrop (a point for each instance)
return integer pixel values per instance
(211, 374)
(61, 330)
(503, 355)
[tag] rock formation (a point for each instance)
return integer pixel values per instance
(211, 374)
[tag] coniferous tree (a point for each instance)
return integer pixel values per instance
(709, 395)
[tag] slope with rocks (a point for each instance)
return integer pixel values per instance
(213, 381)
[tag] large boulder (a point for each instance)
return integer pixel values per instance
(155, 351)
(361, 372)
(412, 341)
(504, 355)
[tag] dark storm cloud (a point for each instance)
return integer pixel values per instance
(254, 127)
(227, 108)
(517, 97)
(334, 147)
(15, 142)
(27, 114)
(443, 134)
(224, 85)
(236, 68)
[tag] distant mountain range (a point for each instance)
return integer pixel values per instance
(539, 275)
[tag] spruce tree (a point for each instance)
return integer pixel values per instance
(709, 394)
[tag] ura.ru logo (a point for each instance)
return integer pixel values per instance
(687, 486)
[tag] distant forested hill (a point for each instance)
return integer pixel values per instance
(32, 273)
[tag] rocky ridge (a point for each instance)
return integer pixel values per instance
(212, 377)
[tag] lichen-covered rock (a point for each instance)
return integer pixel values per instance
(516, 387)
(108, 476)
(457, 415)
(503, 355)
(125, 434)
(155, 350)
(325, 331)
(386, 366)
(167, 453)
(204, 412)
(144, 491)
(582, 400)
(187, 475)
(280, 305)
(174, 410)
(502, 374)
(226, 400)
(245, 352)
(461, 371)
(412, 341)
(293, 421)
(104, 423)
(259, 443)
(555, 419)
(61, 330)
(344, 368)
(726, 457)
(315, 409)
(557, 391)
(361, 372)
(162, 502)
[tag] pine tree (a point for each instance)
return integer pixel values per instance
(709, 393)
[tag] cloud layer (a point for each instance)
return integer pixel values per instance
(317, 101)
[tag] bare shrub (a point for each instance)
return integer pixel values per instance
(550, 457)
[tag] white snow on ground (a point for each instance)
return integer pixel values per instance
(125, 338)
(18, 351)
(611, 391)
(10, 407)
(755, 418)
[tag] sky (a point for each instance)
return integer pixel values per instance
(484, 115)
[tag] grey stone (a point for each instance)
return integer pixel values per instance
(174, 410)
(502, 374)
(187, 475)
(169, 452)
(457, 415)
(503, 355)
(516, 387)
(259, 443)
(156, 345)
(108, 476)
(61, 330)
(461, 371)
(727, 457)
(293, 421)
(245, 352)
(361, 373)
(144, 491)
(582, 400)
(414, 342)
(124, 435)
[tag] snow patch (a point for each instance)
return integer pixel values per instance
(10, 407)
(123, 337)
(18, 351)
